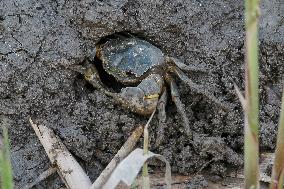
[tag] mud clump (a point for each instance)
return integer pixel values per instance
(40, 39)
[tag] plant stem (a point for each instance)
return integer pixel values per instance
(145, 175)
(6, 175)
(278, 167)
(252, 97)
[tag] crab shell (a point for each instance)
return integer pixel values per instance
(128, 59)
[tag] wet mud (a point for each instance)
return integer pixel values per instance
(39, 40)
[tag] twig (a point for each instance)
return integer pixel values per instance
(41, 177)
(121, 154)
(68, 168)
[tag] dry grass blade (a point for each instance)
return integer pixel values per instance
(278, 167)
(129, 168)
(121, 154)
(145, 175)
(68, 168)
(241, 97)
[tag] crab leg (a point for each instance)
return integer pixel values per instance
(180, 106)
(161, 117)
(200, 89)
(92, 76)
(185, 67)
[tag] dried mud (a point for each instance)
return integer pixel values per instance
(40, 39)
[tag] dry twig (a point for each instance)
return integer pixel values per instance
(68, 168)
(121, 154)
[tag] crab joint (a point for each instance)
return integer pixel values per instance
(151, 96)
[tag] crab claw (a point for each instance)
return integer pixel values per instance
(134, 99)
(144, 98)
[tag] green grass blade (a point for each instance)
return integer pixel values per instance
(251, 150)
(6, 175)
(278, 167)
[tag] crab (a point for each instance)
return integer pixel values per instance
(146, 72)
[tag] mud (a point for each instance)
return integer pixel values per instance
(40, 39)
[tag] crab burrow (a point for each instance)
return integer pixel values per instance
(145, 71)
